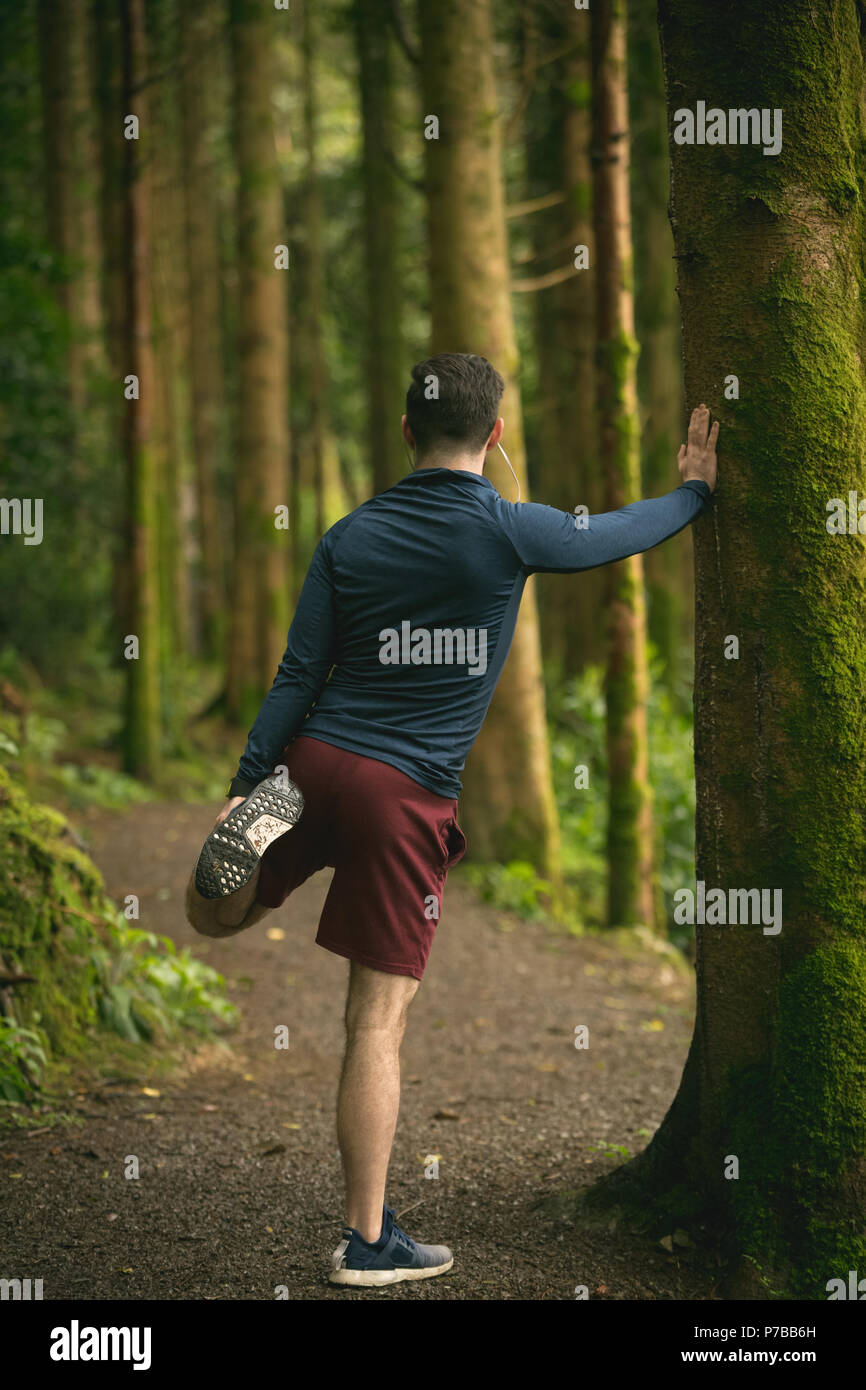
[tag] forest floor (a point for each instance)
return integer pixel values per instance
(240, 1189)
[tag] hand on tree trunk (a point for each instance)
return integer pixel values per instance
(697, 459)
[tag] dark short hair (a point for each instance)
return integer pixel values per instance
(454, 398)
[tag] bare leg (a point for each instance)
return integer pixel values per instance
(369, 1094)
(224, 916)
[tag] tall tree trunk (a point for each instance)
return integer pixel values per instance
(71, 185)
(385, 370)
(508, 804)
(260, 611)
(314, 299)
(567, 469)
(200, 89)
(142, 716)
(632, 885)
(114, 267)
(771, 278)
(171, 344)
(669, 569)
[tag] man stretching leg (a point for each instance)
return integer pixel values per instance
(401, 631)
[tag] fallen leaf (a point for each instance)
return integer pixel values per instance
(149, 1091)
(506, 1120)
(601, 1288)
(667, 1243)
(547, 1066)
(210, 1107)
(275, 934)
(288, 1124)
(16, 1175)
(655, 1025)
(112, 1216)
(248, 1076)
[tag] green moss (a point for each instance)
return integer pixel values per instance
(797, 1124)
(89, 969)
(578, 93)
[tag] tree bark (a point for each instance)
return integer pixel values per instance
(669, 568)
(564, 329)
(771, 276)
(314, 299)
(171, 337)
(259, 615)
(385, 371)
(71, 185)
(109, 96)
(200, 88)
(508, 804)
(632, 885)
(142, 727)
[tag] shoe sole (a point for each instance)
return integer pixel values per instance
(232, 851)
(376, 1278)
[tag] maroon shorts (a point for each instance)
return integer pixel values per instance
(391, 843)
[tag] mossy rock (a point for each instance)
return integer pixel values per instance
(53, 906)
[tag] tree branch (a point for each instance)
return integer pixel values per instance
(547, 200)
(402, 35)
(543, 282)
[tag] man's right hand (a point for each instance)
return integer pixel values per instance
(697, 459)
(230, 805)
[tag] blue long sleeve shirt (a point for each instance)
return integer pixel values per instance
(407, 614)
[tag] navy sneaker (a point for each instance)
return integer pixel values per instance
(388, 1260)
(233, 849)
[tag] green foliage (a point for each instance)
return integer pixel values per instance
(513, 887)
(92, 969)
(145, 986)
(578, 739)
(22, 1059)
(577, 730)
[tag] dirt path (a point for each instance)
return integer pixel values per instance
(240, 1188)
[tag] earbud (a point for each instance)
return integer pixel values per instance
(513, 474)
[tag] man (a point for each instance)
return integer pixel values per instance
(401, 631)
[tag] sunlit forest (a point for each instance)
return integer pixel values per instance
(229, 229)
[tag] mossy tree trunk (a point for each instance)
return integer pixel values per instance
(669, 568)
(171, 340)
(566, 470)
(508, 804)
(201, 85)
(385, 372)
(630, 851)
(109, 95)
(260, 588)
(142, 725)
(771, 276)
(71, 186)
